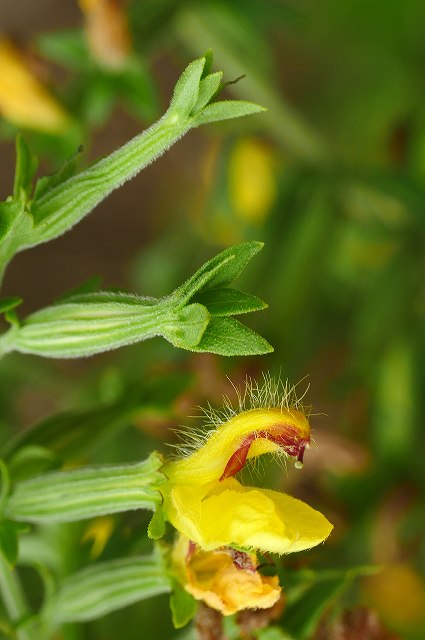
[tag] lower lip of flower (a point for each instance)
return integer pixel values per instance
(285, 436)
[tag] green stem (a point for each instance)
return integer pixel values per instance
(70, 201)
(14, 598)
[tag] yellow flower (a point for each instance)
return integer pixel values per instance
(24, 101)
(252, 181)
(225, 580)
(211, 508)
(107, 32)
(98, 531)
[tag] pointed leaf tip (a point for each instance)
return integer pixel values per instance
(226, 110)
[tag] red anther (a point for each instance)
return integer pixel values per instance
(237, 461)
(284, 435)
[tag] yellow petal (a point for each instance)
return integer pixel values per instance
(209, 461)
(228, 513)
(24, 101)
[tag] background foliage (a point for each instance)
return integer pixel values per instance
(331, 179)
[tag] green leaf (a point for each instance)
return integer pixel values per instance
(228, 302)
(208, 88)
(9, 303)
(65, 47)
(183, 606)
(26, 166)
(9, 212)
(108, 586)
(156, 527)
(228, 337)
(66, 496)
(221, 270)
(186, 90)
(47, 183)
(9, 541)
(209, 59)
(225, 110)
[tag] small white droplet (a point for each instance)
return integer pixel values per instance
(298, 464)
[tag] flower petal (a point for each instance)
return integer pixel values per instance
(212, 576)
(288, 431)
(229, 513)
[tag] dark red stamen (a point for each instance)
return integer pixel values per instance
(237, 461)
(284, 435)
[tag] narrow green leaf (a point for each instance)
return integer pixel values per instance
(225, 110)
(47, 183)
(66, 496)
(9, 212)
(228, 337)
(183, 606)
(209, 59)
(228, 302)
(108, 586)
(9, 303)
(9, 541)
(221, 270)
(187, 88)
(26, 166)
(208, 88)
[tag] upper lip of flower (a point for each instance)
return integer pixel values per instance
(246, 435)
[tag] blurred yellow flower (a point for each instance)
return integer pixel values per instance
(24, 101)
(225, 580)
(398, 594)
(252, 181)
(212, 509)
(107, 31)
(98, 531)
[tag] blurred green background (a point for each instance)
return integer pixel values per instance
(331, 178)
